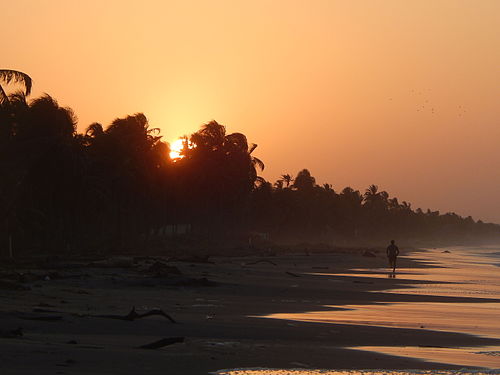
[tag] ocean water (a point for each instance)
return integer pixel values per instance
(461, 272)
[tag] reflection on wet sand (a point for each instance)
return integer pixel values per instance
(456, 273)
(262, 371)
(471, 357)
(478, 319)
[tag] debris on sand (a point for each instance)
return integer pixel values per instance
(261, 261)
(133, 315)
(163, 342)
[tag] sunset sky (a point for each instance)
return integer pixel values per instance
(403, 94)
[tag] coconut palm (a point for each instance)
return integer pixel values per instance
(14, 76)
(287, 179)
(374, 198)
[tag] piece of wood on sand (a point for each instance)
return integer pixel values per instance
(133, 315)
(163, 342)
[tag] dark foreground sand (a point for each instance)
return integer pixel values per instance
(65, 329)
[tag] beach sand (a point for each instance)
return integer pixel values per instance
(225, 313)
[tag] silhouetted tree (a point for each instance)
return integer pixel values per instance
(115, 188)
(8, 76)
(287, 179)
(304, 181)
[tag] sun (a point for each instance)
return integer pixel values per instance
(176, 148)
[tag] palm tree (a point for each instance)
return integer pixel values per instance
(8, 76)
(371, 194)
(374, 198)
(287, 179)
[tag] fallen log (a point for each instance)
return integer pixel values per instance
(133, 315)
(163, 342)
(292, 274)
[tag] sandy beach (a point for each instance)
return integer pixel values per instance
(309, 310)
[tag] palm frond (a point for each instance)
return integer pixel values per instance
(8, 76)
(3, 96)
(18, 97)
(258, 163)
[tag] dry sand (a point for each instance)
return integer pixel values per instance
(218, 309)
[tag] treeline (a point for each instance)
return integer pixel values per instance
(115, 188)
(295, 208)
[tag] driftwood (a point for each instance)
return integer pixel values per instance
(163, 342)
(292, 274)
(261, 261)
(133, 315)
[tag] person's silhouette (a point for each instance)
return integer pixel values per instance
(392, 255)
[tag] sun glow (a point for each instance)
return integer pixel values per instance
(176, 149)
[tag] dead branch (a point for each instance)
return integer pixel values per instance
(163, 342)
(133, 315)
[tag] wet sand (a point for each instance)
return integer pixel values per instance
(219, 309)
(461, 272)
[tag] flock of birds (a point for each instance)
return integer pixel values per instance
(427, 106)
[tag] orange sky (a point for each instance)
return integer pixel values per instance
(404, 94)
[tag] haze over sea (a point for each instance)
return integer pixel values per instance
(452, 272)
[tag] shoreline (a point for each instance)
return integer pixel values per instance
(212, 303)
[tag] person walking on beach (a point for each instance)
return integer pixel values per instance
(392, 255)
